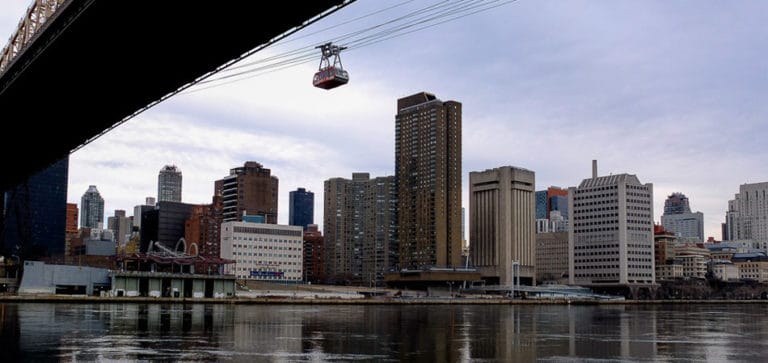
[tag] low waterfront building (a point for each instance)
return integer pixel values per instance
(670, 271)
(171, 285)
(694, 266)
(725, 270)
(752, 266)
(266, 252)
(41, 278)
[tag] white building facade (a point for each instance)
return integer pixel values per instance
(747, 216)
(265, 252)
(610, 239)
(686, 225)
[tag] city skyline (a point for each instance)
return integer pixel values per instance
(647, 88)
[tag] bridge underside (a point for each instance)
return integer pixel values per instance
(98, 61)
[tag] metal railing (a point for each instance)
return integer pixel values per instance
(37, 14)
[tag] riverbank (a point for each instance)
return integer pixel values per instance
(358, 301)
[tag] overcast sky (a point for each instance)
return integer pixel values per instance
(674, 92)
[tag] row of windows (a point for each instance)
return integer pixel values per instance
(638, 201)
(245, 276)
(276, 255)
(593, 260)
(599, 202)
(266, 263)
(635, 259)
(594, 196)
(639, 194)
(268, 231)
(609, 187)
(597, 246)
(639, 266)
(592, 210)
(637, 221)
(265, 247)
(264, 239)
(647, 253)
(647, 229)
(262, 269)
(614, 275)
(608, 215)
(634, 207)
(598, 253)
(601, 229)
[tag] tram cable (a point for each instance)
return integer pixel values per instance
(426, 17)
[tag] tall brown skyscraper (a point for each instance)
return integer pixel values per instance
(249, 189)
(428, 180)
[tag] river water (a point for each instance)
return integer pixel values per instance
(418, 333)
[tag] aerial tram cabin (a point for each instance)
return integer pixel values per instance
(330, 75)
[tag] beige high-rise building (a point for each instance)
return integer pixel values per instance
(428, 179)
(502, 224)
(360, 242)
(611, 237)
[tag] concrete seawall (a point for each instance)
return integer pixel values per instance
(366, 301)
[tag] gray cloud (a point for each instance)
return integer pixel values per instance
(672, 92)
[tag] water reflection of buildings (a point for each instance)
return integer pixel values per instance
(611, 332)
(433, 333)
(528, 333)
(264, 331)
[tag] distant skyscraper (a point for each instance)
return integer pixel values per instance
(558, 203)
(747, 216)
(502, 224)
(138, 210)
(360, 228)
(121, 226)
(301, 210)
(169, 184)
(91, 208)
(36, 213)
(541, 204)
(677, 203)
(165, 224)
(251, 190)
(428, 180)
(610, 241)
(677, 218)
(554, 198)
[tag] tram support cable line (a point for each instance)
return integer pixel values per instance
(418, 20)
